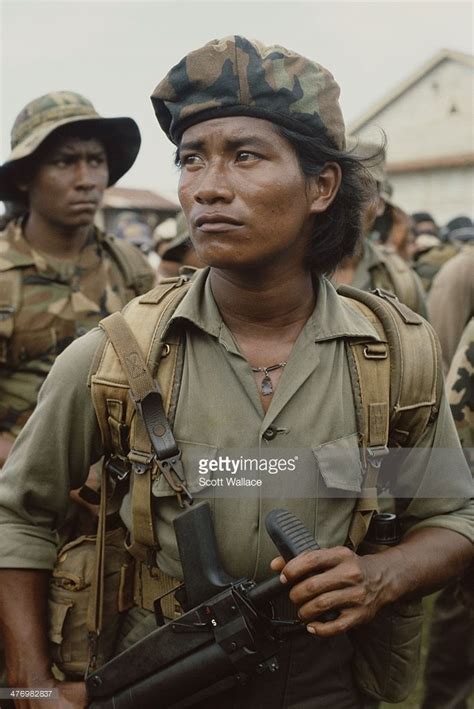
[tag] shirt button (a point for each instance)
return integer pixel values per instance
(270, 434)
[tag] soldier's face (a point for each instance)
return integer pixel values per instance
(244, 195)
(69, 181)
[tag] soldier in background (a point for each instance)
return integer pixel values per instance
(174, 247)
(59, 275)
(430, 251)
(424, 223)
(449, 675)
(376, 265)
(451, 300)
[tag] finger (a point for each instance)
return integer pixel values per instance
(313, 562)
(336, 600)
(277, 564)
(348, 574)
(347, 619)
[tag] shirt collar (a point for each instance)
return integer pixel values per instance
(332, 318)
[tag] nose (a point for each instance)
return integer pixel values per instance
(213, 185)
(85, 175)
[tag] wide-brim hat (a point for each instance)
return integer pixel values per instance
(46, 115)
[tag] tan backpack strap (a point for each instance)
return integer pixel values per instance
(412, 375)
(371, 361)
(96, 599)
(141, 456)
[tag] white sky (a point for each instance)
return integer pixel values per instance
(116, 52)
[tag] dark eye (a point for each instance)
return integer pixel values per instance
(190, 160)
(246, 156)
(97, 160)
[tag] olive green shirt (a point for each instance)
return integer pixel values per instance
(312, 415)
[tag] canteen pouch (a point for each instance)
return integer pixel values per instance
(70, 596)
(387, 650)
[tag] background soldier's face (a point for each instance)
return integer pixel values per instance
(244, 194)
(69, 181)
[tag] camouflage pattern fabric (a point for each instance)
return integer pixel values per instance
(460, 387)
(237, 76)
(57, 300)
(46, 114)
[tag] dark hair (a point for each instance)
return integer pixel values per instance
(337, 230)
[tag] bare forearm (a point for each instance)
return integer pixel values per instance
(23, 625)
(423, 562)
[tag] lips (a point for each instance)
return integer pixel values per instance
(215, 222)
(85, 204)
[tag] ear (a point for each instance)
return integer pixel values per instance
(324, 187)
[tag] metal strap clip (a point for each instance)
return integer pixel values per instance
(173, 472)
(375, 455)
(141, 462)
(118, 467)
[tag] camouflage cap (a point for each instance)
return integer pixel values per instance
(46, 114)
(236, 76)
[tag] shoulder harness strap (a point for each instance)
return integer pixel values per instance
(128, 363)
(137, 275)
(397, 385)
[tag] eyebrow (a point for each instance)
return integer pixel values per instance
(250, 141)
(68, 150)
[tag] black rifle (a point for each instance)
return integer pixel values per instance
(227, 635)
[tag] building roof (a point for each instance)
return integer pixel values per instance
(403, 86)
(128, 198)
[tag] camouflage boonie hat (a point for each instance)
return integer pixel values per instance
(236, 76)
(44, 115)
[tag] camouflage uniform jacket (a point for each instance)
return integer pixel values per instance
(45, 303)
(460, 387)
(381, 267)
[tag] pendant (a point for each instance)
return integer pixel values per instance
(267, 387)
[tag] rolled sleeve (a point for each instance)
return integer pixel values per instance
(436, 482)
(51, 456)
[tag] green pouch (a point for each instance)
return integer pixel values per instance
(387, 651)
(70, 595)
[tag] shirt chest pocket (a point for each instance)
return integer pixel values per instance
(196, 459)
(339, 465)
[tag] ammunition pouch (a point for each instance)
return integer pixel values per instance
(70, 596)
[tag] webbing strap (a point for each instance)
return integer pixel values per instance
(143, 539)
(372, 362)
(96, 599)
